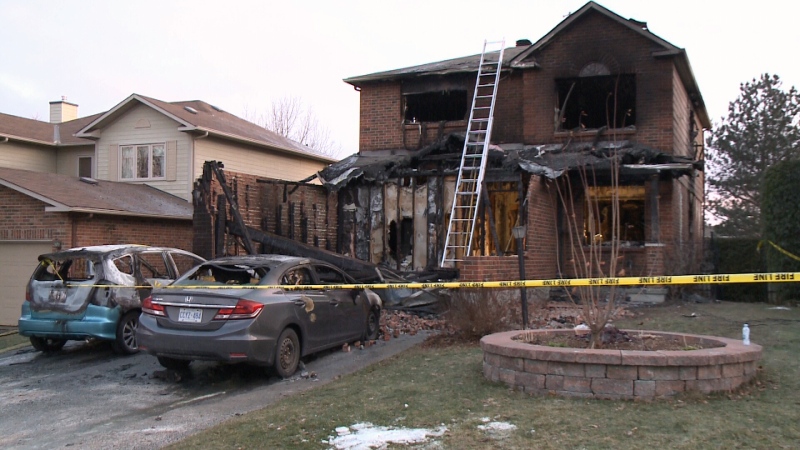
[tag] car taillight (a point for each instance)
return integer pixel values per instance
(28, 296)
(154, 309)
(244, 309)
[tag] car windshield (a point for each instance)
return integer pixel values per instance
(228, 274)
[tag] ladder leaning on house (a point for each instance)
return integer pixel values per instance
(464, 211)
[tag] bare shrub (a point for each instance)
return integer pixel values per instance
(474, 313)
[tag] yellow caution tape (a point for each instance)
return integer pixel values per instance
(778, 248)
(769, 277)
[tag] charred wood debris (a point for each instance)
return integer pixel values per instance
(222, 212)
(218, 219)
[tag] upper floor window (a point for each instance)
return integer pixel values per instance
(142, 161)
(595, 100)
(436, 106)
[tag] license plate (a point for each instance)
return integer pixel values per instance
(191, 315)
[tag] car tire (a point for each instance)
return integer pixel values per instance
(373, 325)
(125, 343)
(287, 353)
(47, 345)
(174, 363)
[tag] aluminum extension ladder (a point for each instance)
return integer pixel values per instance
(463, 214)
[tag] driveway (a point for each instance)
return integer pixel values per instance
(88, 397)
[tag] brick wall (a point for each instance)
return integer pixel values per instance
(24, 218)
(595, 38)
(490, 268)
(302, 212)
(542, 229)
(99, 230)
(381, 117)
(382, 127)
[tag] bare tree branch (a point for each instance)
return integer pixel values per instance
(288, 116)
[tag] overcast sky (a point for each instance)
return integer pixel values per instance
(240, 55)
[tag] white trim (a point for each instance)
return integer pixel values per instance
(85, 131)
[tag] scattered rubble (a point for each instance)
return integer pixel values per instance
(395, 323)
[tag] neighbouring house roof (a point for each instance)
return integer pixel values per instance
(199, 116)
(71, 194)
(194, 115)
(43, 133)
(551, 161)
(523, 57)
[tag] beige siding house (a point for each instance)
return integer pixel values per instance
(143, 140)
(49, 171)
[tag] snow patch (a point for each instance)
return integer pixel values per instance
(363, 436)
(497, 426)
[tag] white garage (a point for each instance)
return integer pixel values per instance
(17, 261)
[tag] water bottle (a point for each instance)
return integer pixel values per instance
(746, 335)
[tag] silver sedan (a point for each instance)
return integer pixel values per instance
(219, 312)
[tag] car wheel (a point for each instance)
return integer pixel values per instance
(287, 353)
(373, 325)
(125, 343)
(173, 363)
(47, 345)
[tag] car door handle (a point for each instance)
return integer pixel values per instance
(334, 303)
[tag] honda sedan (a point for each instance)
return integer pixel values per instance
(242, 309)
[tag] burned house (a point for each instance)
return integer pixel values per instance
(596, 91)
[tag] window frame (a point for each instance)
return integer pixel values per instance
(150, 165)
(91, 166)
(601, 197)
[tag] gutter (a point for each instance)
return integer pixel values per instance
(113, 212)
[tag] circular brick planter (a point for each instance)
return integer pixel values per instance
(617, 374)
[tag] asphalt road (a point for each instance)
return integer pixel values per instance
(89, 398)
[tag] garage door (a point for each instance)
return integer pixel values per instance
(17, 261)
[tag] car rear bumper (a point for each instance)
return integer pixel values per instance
(97, 322)
(233, 342)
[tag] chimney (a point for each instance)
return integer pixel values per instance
(523, 42)
(63, 111)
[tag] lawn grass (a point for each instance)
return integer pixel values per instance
(430, 386)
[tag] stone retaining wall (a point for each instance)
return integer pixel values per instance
(617, 374)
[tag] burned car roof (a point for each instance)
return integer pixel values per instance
(102, 250)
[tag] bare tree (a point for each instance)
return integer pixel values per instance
(290, 117)
(594, 252)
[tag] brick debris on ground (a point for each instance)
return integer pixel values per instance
(556, 315)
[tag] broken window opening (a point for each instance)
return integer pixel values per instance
(435, 106)
(598, 214)
(588, 102)
(401, 240)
